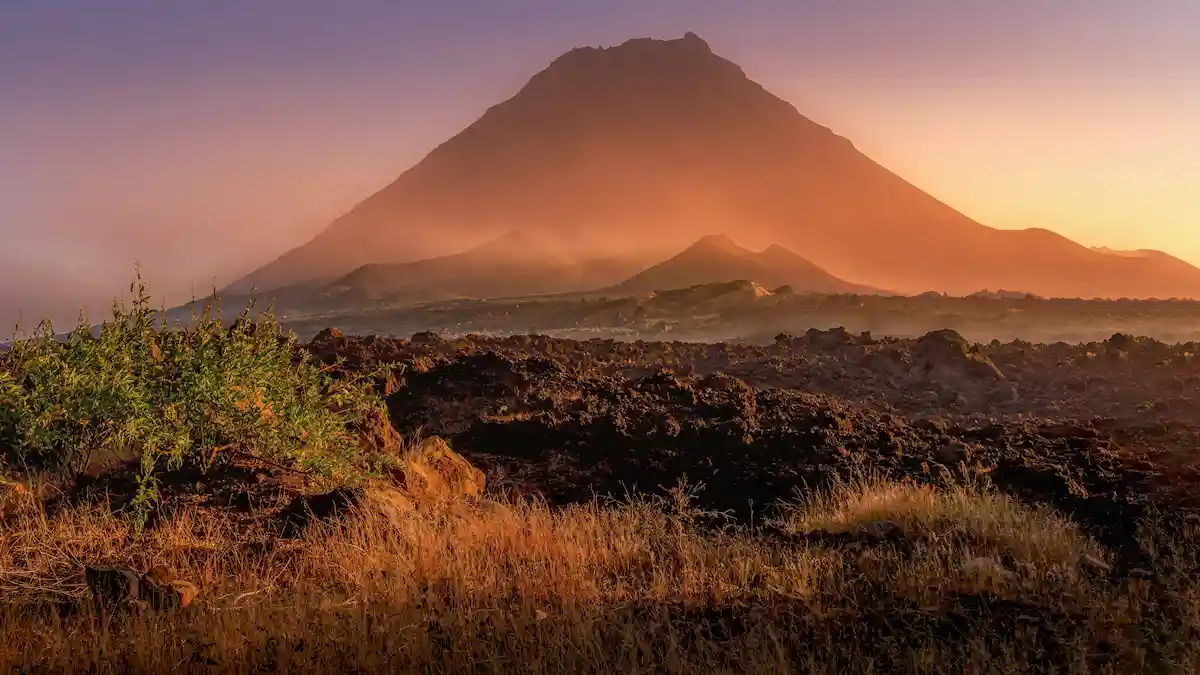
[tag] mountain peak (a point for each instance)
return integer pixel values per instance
(641, 59)
(717, 258)
(719, 242)
(690, 44)
(654, 142)
(513, 237)
(515, 244)
(692, 40)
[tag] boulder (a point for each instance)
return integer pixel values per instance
(327, 344)
(426, 338)
(880, 530)
(828, 339)
(942, 344)
(1121, 342)
(946, 358)
(429, 476)
(952, 453)
(15, 498)
(434, 472)
(115, 588)
(330, 335)
(389, 502)
(305, 510)
(378, 434)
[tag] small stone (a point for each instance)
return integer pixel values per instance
(985, 568)
(1141, 573)
(1192, 518)
(327, 336)
(879, 530)
(426, 338)
(112, 586)
(952, 453)
(15, 498)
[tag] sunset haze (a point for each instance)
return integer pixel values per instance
(204, 142)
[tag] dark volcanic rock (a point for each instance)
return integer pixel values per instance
(307, 509)
(329, 336)
(569, 435)
(113, 588)
(571, 419)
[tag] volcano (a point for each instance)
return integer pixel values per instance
(654, 143)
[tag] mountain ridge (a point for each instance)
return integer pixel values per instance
(511, 265)
(608, 146)
(716, 258)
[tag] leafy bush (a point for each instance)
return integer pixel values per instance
(169, 397)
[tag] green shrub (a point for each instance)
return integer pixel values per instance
(169, 397)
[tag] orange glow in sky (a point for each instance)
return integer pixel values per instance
(203, 143)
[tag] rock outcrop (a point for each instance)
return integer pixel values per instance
(435, 473)
(16, 498)
(429, 476)
(123, 588)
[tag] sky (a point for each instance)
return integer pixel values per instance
(200, 139)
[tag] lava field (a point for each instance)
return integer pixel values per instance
(1101, 431)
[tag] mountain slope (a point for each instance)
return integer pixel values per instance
(716, 259)
(655, 142)
(805, 275)
(514, 264)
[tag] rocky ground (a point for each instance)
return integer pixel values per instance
(747, 312)
(1083, 560)
(1098, 430)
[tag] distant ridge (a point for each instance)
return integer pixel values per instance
(513, 264)
(654, 143)
(717, 258)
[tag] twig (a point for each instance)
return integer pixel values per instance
(247, 594)
(263, 460)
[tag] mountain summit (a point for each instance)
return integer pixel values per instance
(653, 143)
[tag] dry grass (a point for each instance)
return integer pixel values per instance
(966, 522)
(513, 586)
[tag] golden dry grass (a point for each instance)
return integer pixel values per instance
(513, 586)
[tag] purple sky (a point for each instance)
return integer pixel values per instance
(203, 138)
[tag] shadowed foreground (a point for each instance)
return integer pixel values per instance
(957, 580)
(223, 500)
